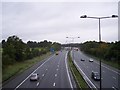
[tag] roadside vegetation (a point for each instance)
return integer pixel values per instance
(18, 55)
(77, 76)
(108, 52)
(19, 67)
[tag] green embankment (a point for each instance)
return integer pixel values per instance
(19, 67)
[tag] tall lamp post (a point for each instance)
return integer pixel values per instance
(73, 42)
(99, 18)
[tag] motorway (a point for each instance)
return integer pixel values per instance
(53, 73)
(110, 76)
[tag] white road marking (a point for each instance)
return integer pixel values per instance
(46, 69)
(84, 76)
(54, 84)
(114, 88)
(108, 68)
(57, 65)
(114, 77)
(67, 71)
(32, 73)
(37, 83)
(55, 75)
(43, 75)
(57, 69)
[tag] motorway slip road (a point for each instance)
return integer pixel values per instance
(53, 73)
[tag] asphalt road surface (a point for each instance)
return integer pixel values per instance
(53, 73)
(110, 76)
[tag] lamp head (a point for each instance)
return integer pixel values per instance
(84, 16)
(114, 16)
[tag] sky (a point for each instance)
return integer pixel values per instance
(54, 21)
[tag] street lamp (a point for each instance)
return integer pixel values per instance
(99, 18)
(73, 42)
(72, 38)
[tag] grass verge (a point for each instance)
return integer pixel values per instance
(19, 67)
(77, 76)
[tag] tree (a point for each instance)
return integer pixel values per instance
(14, 48)
(56, 46)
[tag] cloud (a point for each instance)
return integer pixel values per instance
(56, 20)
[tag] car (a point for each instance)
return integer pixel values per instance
(90, 60)
(34, 77)
(95, 76)
(82, 59)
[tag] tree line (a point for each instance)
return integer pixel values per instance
(106, 51)
(15, 50)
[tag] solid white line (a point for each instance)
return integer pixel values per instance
(54, 84)
(108, 68)
(32, 73)
(67, 71)
(85, 77)
(37, 83)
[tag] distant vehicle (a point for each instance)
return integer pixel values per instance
(34, 77)
(90, 60)
(82, 59)
(76, 49)
(57, 53)
(95, 76)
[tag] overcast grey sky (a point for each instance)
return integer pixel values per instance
(54, 21)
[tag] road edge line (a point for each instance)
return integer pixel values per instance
(85, 77)
(67, 71)
(32, 73)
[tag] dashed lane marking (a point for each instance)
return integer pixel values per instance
(32, 73)
(43, 75)
(114, 77)
(54, 84)
(55, 75)
(108, 68)
(37, 83)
